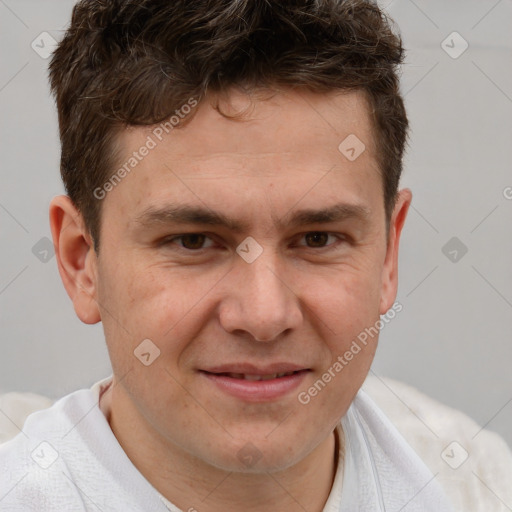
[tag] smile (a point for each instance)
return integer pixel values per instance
(256, 386)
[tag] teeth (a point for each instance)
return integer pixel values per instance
(247, 376)
(260, 377)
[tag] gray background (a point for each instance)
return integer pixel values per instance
(452, 340)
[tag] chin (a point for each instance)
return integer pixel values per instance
(259, 456)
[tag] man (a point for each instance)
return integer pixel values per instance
(233, 219)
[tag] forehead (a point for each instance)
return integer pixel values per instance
(282, 143)
(264, 121)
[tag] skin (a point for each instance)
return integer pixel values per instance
(303, 300)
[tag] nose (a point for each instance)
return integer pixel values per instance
(259, 301)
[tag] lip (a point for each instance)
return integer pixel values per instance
(252, 369)
(256, 390)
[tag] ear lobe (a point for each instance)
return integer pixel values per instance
(76, 258)
(390, 270)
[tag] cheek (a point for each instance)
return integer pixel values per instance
(345, 316)
(345, 309)
(344, 302)
(152, 302)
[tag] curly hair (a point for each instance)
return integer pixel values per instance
(134, 62)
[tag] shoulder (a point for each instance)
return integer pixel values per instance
(473, 465)
(34, 473)
(16, 407)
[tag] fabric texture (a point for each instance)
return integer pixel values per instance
(67, 458)
(472, 464)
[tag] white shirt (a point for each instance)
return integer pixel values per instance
(67, 459)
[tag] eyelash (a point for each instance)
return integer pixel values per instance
(339, 238)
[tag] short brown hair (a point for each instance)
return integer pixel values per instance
(134, 62)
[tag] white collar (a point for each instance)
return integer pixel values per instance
(377, 470)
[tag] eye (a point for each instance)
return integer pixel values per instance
(319, 239)
(192, 241)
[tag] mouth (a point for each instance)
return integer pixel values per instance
(254, 377)
(253, 384)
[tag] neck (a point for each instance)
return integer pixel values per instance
(194, 485)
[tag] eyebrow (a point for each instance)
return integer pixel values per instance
(335, 213)
(187, 214)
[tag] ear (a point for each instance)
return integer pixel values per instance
(76, 258)
(390, 270)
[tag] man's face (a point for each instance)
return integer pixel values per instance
(227, 321)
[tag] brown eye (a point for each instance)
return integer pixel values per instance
(316, 239)
(193, 241)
